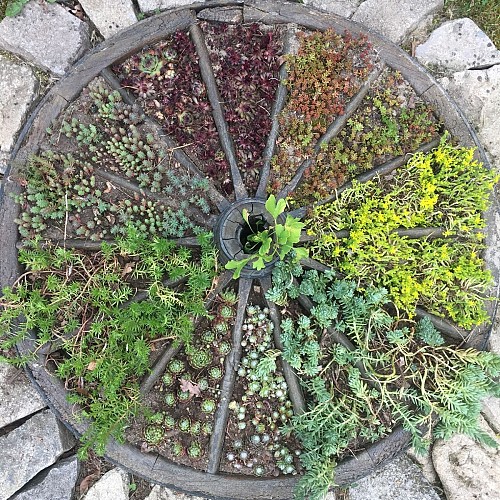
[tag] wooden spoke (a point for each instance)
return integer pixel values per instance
(218, 113)
(294, 390)
(332, 131)
(173, 349)
(279, 103)
(227, 385)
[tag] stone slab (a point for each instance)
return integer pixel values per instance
(344, 8)
(32, 447)
(18, 398)
(491, 413)
(152, 5)
(111, 16)
(160, 493)
(18, 86)
(396, 20)
(46, 35)
(113, 485)
(458, 45)
(58, 483)
(477, 92)
(401, 479)
(466, 469)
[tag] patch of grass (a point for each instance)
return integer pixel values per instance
(485, 13)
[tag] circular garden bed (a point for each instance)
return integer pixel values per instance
(247, 252)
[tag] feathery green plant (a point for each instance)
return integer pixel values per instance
(82, 305)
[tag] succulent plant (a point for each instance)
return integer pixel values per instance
(169, 422)
(200, 358)
(170, 399)
(156, 418)
(215, 373)
(176, 366)
(195, 450)
(203, 384)
(184, 424)
(195, 428)
(208, 406)
(153, 434)
(168, 379)
(208, 336)
(177, 448)
(224, 347)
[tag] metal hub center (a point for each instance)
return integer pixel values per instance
(231, 233)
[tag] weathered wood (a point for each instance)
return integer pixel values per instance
(335, 127)
(119, 47)
(445, 327)
(229, 15)
(278, 105)
(227, 386)
(226, 140)
(292, 381)
(152, 466)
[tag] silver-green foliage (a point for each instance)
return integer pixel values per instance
(397, 367)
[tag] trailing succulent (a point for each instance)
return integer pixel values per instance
(397, 370)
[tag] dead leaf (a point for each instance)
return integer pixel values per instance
(129, 267)
(188, 386)
(87, 483)
(91, 366)
(109, 187)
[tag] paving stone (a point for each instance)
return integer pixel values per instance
(468, 470)
(401, 479)
(18, 398)
(45, 34)
(152, 5)
(425, 464)
(477, 92)
(396, 20)
(113, 485)
(457, 45)
(160, 493)
(491, 412)
(18, 86)
(343, 8)
(111, 16)
(58, 483)
(32, 447)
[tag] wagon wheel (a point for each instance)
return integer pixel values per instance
(225, 215)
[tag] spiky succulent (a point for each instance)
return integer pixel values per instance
(170, 399)
(184, 424)
(153, 434)
(195, 450)
(176, 366)
(215, 373)
(208, 406)
(168, 379)
(177, 448)
(200, 358)
(169, 422)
